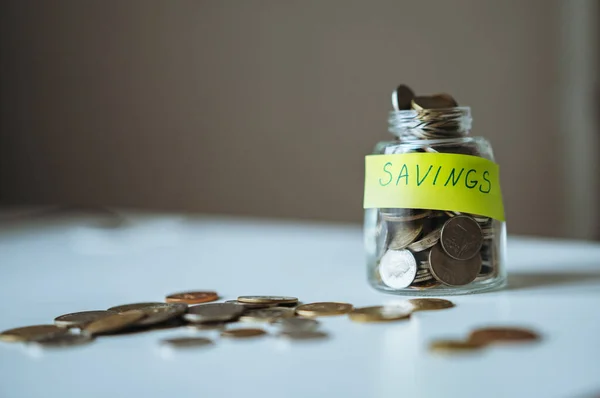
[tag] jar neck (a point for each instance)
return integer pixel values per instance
(430, 124)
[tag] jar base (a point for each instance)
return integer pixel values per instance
(475, 287)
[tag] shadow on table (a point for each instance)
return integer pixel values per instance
(525, 280)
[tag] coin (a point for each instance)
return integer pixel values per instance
(296, 324)
(453, 272)
(251, 305)
(64, 340)
(401, 97)
(31, 333)
(494, 335)
(461, 237)
(114, 323)
(135, 306)
(438, 101)
(268, 299)
(398, 268)
(426, 242)
(192, 297)
(213, 312)
(429, 284)
(80, 319)
(380, 313)
(449, 346)
(429, 304)
(303, 335)
(323, 309)
(267, 314)
(159, 313)
(403, 215)
(243, 333)
(403, 234)
(187, 342)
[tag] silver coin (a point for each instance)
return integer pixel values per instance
(134, 306)
(213, 312)
(381, 237)
(268, 299)
(296, 324)
(428, 241)
(187, 342)
(80, 319)
(267, 314)
(64, 340)
(160, 313)
(398, 268)
(252, 305)
(461, 237)
(403, 234)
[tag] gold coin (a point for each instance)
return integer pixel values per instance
(449, 346)
(430, 304)
(495, 335)
(380, 313)
(324, 309)
(114, 323)
(31, 333)
(243, 333)
(268, 299)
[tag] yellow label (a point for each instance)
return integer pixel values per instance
(438, 181)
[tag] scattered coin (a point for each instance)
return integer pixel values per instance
(31, 333)
(453, 346)
(114, 323)
(267, 314)
(296, 324)
(398, 268)
(135, 306)
(243, 333)
(303, 335)
(495, 335)
(429, 304)
(80, 319)
(380, 313)
(461, 237)
(192, 297)
(64, 340)
(187, 342)
(323, 309)
(213, 312)
(402, 97)
(453, 272)
(252, 305)
(268, 299)
(159, 313)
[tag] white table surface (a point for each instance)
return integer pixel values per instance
(57, 263)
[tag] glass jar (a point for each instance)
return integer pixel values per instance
(434, 221)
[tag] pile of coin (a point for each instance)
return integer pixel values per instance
(422, 249)
(291, 319)
(485, 337)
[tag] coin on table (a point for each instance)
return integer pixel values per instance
(243, 333)
(114, 323)
(426, 242)
(267, 314)
(398, 268)
(268, 299)
(453, 272)
(80, 319)
(252, 305)
(323, 309)
(64, 340)
(461, 237)
(303, 335)
(401, 97)
(192, 297)
(454, 346)
(380, 313)
(403, 234)
(134, 306)
(213, 312)
(495, 335)
(159, 313)
(296, 324)
(187, 342)
(31, 333)
(429, 304)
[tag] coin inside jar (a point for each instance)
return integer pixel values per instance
(453, 272)
(398, 268)
(461, 237)
(401, 97)
(403, 234)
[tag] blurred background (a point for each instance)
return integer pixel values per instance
(267, 108)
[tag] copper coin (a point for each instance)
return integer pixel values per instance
(243, 333)
(453, 272)
(461, 237)
(502, 335)
(401, 97)
(192, 297)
